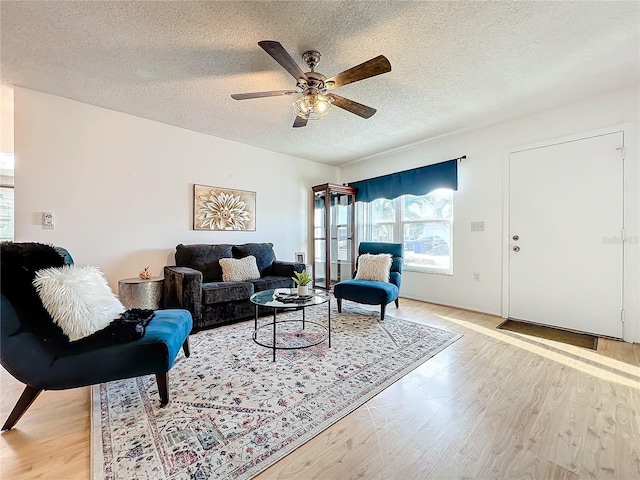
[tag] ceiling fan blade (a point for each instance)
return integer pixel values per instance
(300, 122)
(273, 93)
(281, 56)
(370, 68)
(351, 106)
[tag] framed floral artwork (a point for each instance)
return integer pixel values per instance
(216, 208)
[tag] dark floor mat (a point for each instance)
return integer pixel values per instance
(578, 339)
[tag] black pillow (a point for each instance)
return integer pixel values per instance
(263, 252)
(204, 258)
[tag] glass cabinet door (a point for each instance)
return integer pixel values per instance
(340, 238)
(334, 230)
(319, 241)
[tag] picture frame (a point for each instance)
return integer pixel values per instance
(300, 257)
(223, 209)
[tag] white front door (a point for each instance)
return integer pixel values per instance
(565, 235)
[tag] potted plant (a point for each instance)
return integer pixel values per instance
(302, 280)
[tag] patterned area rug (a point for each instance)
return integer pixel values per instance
(234, 412)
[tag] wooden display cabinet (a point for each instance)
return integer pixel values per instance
(334, 240)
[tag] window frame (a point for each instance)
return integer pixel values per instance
(365, 231)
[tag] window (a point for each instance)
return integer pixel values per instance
(6, 196)
(423, 223)
(6, 213)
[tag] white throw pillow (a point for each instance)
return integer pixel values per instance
(78, 299)
(239, 269)
(374, 267)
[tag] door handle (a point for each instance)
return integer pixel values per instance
(516, 249)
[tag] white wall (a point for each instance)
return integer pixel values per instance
(480, 197)
(6, 119)
(121, 187)
(121, 190)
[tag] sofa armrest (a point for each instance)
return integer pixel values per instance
(183, 289)
(286, 269)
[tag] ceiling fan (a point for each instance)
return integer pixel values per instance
(314, 102)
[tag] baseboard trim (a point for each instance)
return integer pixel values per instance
(459, 307)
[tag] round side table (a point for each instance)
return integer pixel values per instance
(139, 293)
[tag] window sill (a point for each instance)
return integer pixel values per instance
(446, 273)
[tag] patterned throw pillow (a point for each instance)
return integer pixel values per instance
(374, 267)
(239, 269)
(78, 299)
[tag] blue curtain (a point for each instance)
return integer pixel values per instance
(417, 181)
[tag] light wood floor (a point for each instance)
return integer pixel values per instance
(495, 404)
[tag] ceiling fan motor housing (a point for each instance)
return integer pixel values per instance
(316, 82)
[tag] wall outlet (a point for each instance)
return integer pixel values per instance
(477, 226)
(476, 276)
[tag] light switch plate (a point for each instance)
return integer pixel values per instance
(48, 221)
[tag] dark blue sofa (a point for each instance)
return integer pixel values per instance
(195, 282)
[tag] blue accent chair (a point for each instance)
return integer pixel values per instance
(43, 359)
(372, 292)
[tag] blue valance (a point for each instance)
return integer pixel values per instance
(417, 181)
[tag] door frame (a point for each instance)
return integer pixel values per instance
(630, 298)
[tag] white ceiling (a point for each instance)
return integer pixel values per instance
(455, 65)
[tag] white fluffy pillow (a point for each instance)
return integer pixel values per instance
(239, 269)
(78, 299)
(374, 267)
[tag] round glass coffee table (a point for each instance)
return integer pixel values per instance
(280, 299)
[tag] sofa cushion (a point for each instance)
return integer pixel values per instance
(239, 269)
(369, 292)
(286, 269)
(204, 258)
(154, 352)
(263, 252)
(269, 283)
(217, 292)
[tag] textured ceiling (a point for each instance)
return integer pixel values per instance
(455, 65)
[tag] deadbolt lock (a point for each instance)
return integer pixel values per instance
(516, 238)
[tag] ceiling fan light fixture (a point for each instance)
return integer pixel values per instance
(312, 106)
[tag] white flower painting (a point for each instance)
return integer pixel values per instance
(223, 209)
